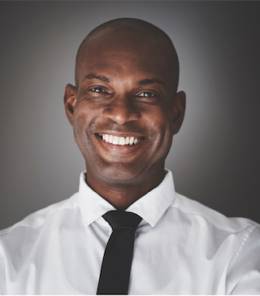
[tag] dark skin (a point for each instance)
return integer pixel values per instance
(125, 88)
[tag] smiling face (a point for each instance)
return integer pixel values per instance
(124, 109)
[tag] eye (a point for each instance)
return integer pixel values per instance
(147, 94)
(98, 90)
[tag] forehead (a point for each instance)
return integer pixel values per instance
(139, 60)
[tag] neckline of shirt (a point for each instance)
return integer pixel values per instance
(150, 207)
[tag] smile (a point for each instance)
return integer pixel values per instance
(119, 140)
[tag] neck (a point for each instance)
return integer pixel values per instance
(121, 196)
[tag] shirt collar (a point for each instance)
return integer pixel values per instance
(150, 207)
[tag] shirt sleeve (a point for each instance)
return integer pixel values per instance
(244, 274)
(2, 273)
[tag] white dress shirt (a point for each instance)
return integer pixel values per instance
(181, 246)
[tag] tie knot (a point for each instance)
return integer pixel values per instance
(121, 219)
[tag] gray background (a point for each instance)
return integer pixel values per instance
(215, 157)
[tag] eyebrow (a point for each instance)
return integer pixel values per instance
(96, 76)
(151, 81)
(106, 79)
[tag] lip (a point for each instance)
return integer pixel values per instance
(121, 134)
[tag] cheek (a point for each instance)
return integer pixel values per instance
(159, 124)
(80, 126)
(162, 134)
(82, 115)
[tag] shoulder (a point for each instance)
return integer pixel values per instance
(195, 210)
(28, 230)
(29, 237)
(231, 242)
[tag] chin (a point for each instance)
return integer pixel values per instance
(121, 174)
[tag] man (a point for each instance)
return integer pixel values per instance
(124, 110)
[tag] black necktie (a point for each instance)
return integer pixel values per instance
(117, 260)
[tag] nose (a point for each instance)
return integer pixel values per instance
(121, 111)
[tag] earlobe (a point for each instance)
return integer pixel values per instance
(70, 100)
(179, 105)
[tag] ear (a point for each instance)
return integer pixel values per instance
(70, 100)
(178, 110)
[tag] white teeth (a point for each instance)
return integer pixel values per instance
(131, 141)
(115, 140)
(119, 140)
(122, 141)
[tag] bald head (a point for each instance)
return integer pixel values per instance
(129, 35)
